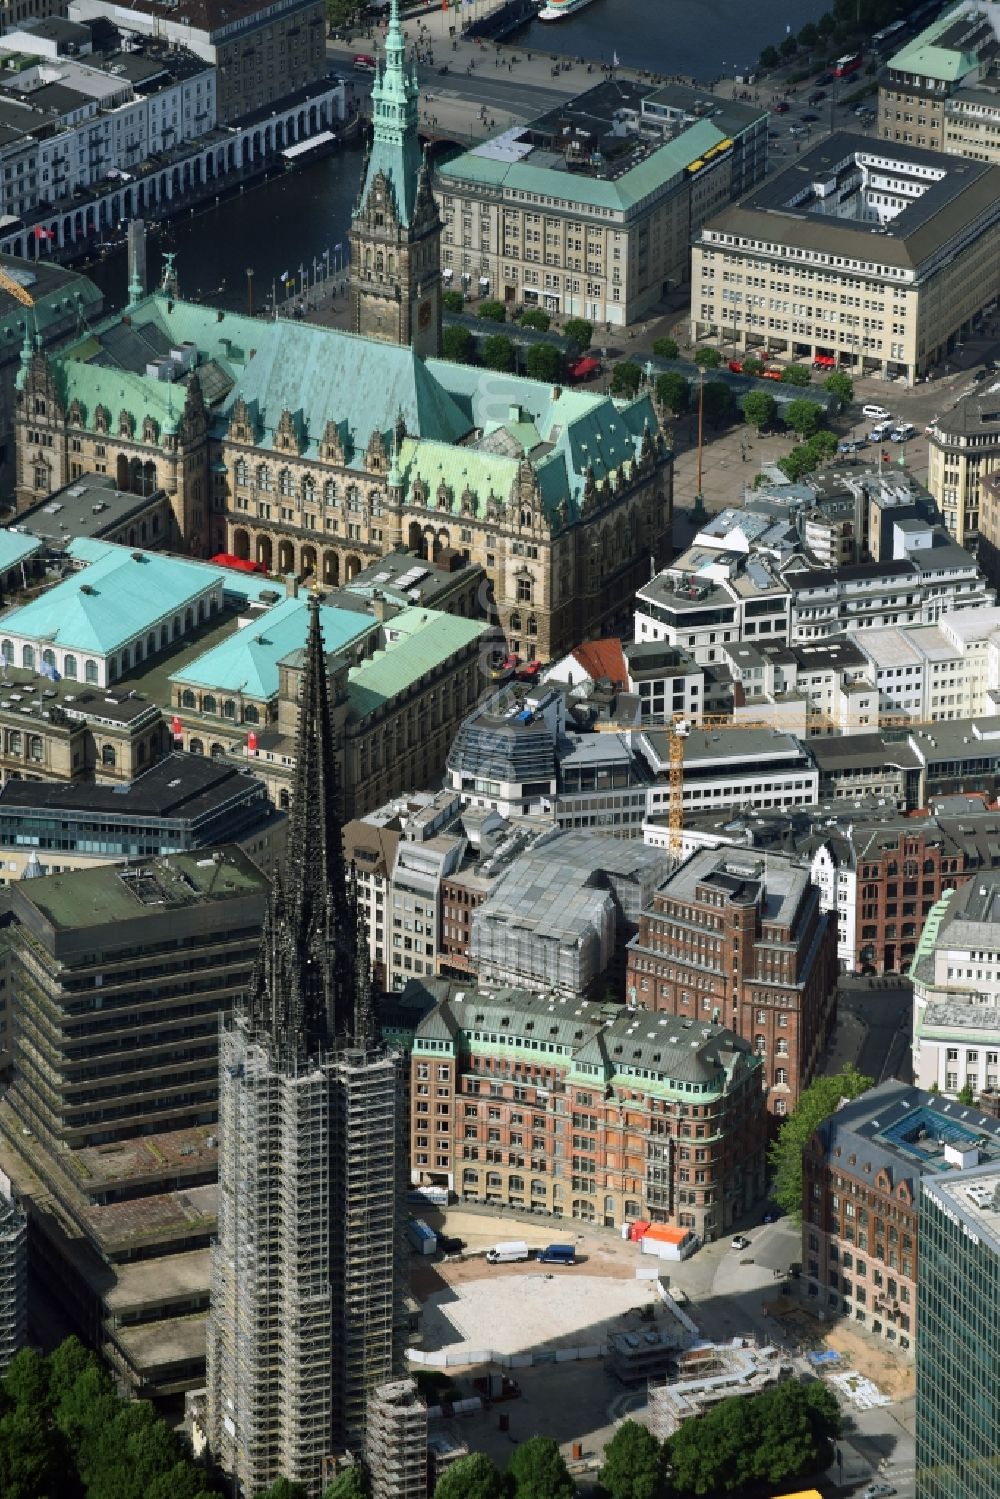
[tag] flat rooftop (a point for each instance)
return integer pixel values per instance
(90, 506)
(178, 786)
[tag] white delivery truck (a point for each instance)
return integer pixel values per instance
(506, 1254)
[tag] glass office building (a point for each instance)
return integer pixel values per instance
(958, 1337)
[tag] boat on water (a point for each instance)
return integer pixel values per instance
(558, 10)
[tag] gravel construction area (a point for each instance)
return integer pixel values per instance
(513, 1313)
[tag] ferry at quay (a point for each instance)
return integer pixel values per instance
(558, 10)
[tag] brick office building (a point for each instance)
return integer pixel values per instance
(586, 1111)
(740, 939)
(861, 1175)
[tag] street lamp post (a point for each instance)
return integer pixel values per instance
(249, 291)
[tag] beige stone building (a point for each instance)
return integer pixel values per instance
(942, 90)
(963, 449)
(882, 257)
(589, 211)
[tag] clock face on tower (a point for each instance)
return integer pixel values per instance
(424, 315)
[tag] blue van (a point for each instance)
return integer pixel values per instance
(557, 1254)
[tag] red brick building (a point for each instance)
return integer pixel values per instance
(587, 1111)
(739, 938)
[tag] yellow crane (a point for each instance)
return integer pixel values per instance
(19, 292)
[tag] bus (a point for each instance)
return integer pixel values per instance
(890, 34)
(847, 65)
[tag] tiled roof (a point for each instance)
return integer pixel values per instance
(117, 597)
(603, 658)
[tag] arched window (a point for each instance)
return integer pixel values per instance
(241, 472)
(28, 657)
(532, 625)
(308, 490)
(781, 1075)
(90, 671)
(353, 497)
(229, 708)
(286, 484)
(164, 637)
(208, 704)
(330, 496)
(7, 651)
(375, 501)
(263, 476)
(109, 756)
(251, 713)
(187, 698)
(14, 742)
(515, 621)
(69, 667)
(218, 751)
(283, 799)
(196, 747)
(151, 644)
(35, 748)
(49, 658)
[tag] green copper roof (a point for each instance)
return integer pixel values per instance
(423, 641)
(925, 56)
(322, 374)
(395, 148)
(618, 194)
(117, 597)
(15, 548)
(247, 662)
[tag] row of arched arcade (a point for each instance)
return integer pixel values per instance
(207, 168)
(286, 557)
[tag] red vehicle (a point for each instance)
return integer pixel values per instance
(770, 374)
(824, 362)
(781, 108)
(238, 564)
(363, 63)
(736, 366)
(530, 672)
(584, 368)
(502, 670)
(847, 65)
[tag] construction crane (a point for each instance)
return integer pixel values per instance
(19, 292)
(679, 728)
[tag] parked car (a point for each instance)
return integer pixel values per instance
(740, 1241)
(878, 1490)
(881, 432)
(824, 362)
(852, 444)
(810, 119)
(824, 80)
(878, 412)
(736, 365)
(817, 96)
(781, 108)
(770, 374)
(529, 672)
(903, 432)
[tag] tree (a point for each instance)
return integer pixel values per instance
(815, 1104)
(579, 330)
(26, 1381)
(538, 1471)
(543, 362)
(673, 391)
(717, 400)
(769, 58)
(351, 1484)
(965, 1095)
(284, 1488)
(799, 462)
(707, 359)
(497, 352)
(453, 301)
(795, 374)
(712, 1455)
(840, 385)
(789, 46)
(804, 417)
(340, 12)
(665, 348)
(66, 1364)
(753, 366)
(826, 25)
(759, 408)
(456, 343)
(472, 1477)
(30, 1460)
(634, 1465)
(626, 378)
(822, 444)
(493, 312)
(534, 317)
(808, 36)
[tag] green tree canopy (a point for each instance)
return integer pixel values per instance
(673, 391)
(538, 1470)
(808, 36)
(826, 25)
(718, 402)
(815, 1104)
(752, 365)
(497, 352)
(457, 343)
(804, 417)
(707, 359)
(634, 1466)
(798, 463)
(472, 1477)
(352, 1483)
(823, 444)
(453, 301)
(26, 1382)
(341, 12)
(579, 330)
(492, 311)
(795, 374)
(534, 317)
(840, 385)
(30, 1457)
(759, 408)
(665, 348)
(284, 1488)
(543, 362)
(788, 46)
(626, 378)
(769, 57)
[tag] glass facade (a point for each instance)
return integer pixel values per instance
(958, 1350)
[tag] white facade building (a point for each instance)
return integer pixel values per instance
(956, 991)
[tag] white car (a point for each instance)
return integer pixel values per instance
(877, 413)
(878, 1491)
(741, 1241)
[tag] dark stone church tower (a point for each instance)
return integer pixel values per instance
(395, 287)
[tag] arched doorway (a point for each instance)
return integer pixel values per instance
(286, 557)
(241, 544)
(331, 568)
(352, 567)
(415, 538)
(122, 473)
(308, 562)
(264, 552)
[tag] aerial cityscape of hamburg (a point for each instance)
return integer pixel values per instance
(499, 749)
